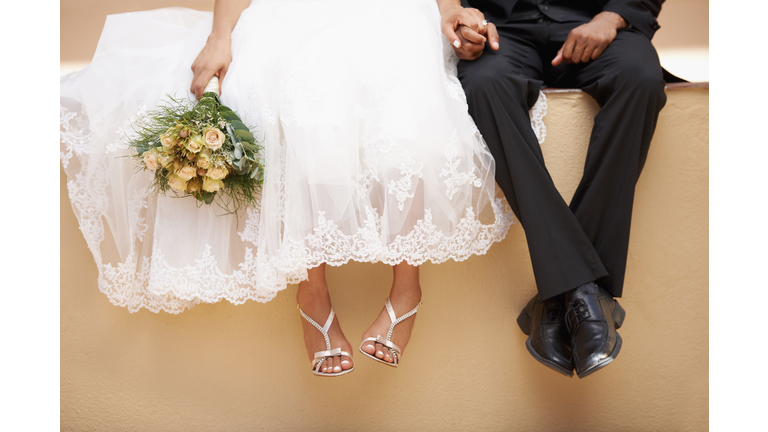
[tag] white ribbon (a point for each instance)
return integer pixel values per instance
(212, 86)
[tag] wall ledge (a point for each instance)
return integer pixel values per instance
(670, 86)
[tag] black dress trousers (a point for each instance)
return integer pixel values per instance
(588, 240)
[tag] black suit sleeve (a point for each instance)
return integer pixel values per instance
(640, 13)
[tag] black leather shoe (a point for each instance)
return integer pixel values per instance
(592, 317)
(548, 339)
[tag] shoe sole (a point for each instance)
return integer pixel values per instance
(524, 322)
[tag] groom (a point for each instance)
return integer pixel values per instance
(578, 251)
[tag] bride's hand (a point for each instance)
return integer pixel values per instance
(214, 59)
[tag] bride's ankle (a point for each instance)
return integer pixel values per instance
(311, 296)
(407, 293)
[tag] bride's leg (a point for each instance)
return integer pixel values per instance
(404, 295)
(313, 298)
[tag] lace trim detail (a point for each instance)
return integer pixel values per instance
(454, 178)
(400, 189)
(74, 134)
(537, 114)
(126, 132)
(135, 218)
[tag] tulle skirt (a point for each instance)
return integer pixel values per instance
(370, 153)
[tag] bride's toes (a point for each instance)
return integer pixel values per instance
(346, 363)
(336, 364)
(379, 351)
(369, 348)
(387, 355)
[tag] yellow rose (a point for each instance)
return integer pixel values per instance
(165, 160)
(151, 159)
(167, 141)
(187, 172)
(204, 158)
(212, 185)
(217, 173)
(195, 144)
(193, 185)
(214, 138)
(177, 183)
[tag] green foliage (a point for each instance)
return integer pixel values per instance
(184, 123)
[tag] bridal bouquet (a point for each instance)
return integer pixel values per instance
(200, 149)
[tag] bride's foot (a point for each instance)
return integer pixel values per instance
(315, 301)
(402, 301)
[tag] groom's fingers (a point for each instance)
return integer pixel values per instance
(493, 37)
(472, 36)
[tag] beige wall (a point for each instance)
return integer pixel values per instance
(241, 368)
(684, 23)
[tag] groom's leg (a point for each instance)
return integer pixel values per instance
(501, 87)
(626, 81)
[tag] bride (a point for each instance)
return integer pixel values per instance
(370, 156)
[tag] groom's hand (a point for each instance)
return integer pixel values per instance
(466, 29)
(472, 43)
(587, 41)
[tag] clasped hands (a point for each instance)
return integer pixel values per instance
(468, 32)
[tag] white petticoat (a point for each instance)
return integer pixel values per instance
(370, 153)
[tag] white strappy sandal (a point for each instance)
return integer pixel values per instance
(396, 351)
(321, 356)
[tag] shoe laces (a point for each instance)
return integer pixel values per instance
(579, 310)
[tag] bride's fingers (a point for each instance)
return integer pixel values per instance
(199, 81)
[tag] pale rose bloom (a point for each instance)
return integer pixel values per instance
(212, 185)
(184, 133)
(177, 183)
(203, 158)
(214, 138)
(151, 159)
(217, 173)
(187, 172)
(190, 156)
(193, 185)
(195, 144)
(165, 160)
(167, 141)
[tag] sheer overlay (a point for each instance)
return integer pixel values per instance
(370, 153)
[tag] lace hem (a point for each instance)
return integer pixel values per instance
(152, 283)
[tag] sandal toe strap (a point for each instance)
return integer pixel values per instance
(386, 343)
(321, 356)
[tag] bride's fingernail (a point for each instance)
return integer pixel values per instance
(456, 43)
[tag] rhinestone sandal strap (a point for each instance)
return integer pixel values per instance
(322, 330)
(398, 320)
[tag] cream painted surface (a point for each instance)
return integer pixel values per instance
(222, 367)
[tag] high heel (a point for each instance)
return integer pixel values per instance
(396, 351)
(321, 356)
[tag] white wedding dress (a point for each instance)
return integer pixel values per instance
(369, 150)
